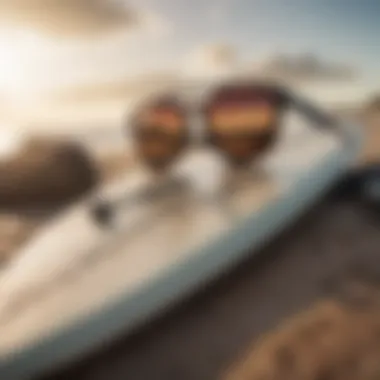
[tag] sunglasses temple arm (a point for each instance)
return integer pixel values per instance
(321, 119)
(349, 132)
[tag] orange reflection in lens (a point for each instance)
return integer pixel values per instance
(240, 148)
(232, 118)
(167, 120)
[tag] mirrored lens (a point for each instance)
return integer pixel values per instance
(242, 121)
(160, 132)
(241, 118)
(165, 119)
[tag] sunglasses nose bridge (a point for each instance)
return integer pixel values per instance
(196, 126)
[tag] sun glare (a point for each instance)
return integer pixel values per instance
(18, 50)
(10, 142)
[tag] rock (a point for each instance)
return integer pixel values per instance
(46, 173)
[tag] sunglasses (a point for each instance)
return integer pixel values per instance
(161, 131)
(241, 121)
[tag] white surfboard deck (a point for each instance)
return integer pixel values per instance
(77, 284)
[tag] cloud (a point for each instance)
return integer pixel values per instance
(219, 55)
(218, 11)
(223, 59)
(211, 60)
(305, 67)
(37, 58)
(71, 18)
(124, 88)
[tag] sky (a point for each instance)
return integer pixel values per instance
(56, 50)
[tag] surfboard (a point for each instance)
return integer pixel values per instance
(79, 283)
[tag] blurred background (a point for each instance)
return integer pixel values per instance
(72, 70)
